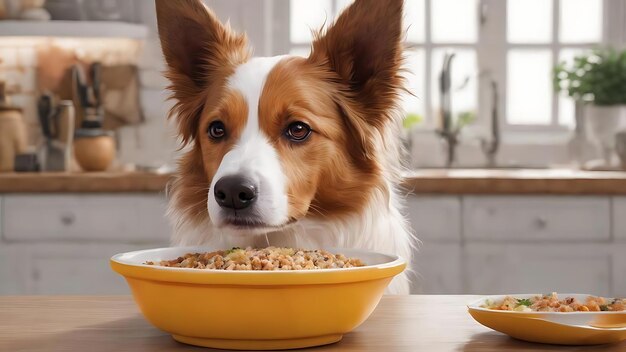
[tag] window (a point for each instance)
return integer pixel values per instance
(558, 30)
(515, 43)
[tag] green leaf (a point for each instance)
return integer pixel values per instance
(411, 120)
(598, 76)
(229, 251)
(524, 302)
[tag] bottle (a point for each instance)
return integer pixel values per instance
(12, 132)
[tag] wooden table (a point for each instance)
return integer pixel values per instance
(400, 323)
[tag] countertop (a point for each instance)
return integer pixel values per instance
(516, 181)
(426, 181)
(94, 323)
(97, 182)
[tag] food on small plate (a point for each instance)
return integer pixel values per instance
(565, 319)
(552, 303)
(270, 258)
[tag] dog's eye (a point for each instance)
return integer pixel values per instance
(298, 131)
(217, 130)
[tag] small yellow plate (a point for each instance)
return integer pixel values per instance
(574, 328)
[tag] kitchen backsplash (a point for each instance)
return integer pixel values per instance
(151, 142)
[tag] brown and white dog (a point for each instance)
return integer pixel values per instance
(302, 150)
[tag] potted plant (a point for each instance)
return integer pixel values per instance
(599, 80)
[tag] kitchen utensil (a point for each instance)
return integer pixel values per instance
(59, 148)
(305, 307)
(88, 95)
(44, 107)
(572, 328)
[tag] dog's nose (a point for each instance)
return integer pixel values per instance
(235, 192)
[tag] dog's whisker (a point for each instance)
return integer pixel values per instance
(267, 240)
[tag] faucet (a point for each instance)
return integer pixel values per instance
(490, 146)
(446, 130)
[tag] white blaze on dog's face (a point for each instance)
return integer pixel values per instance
(278, 139)
(252, 162)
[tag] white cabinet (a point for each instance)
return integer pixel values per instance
(106, 218)
(436, 221)
(533, 218)
(619, 218)
(61, 243)
(519, 244)
(619, 270)
(502, 269)
(437, 269)
(14, 270)
(436, 218)
(75, 269)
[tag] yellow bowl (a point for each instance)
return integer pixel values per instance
(573, 328)
(256, 309)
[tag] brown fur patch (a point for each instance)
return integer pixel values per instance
(201, 53)
(325, 174)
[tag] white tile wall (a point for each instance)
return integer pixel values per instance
(27, 57)
(8, 57)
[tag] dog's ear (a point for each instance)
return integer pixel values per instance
(364, 48)
(199, 51)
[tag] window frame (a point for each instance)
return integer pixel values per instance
(492, 48)
(555, 47)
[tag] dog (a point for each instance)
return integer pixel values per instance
(288, 151)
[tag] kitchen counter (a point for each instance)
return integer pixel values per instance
(92, 182)
(427, 181)
(113, 323)
(516, 181)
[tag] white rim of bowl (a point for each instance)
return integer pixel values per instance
(398, 260)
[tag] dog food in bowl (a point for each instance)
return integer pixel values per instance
(270, 258)
(314, 307)
(552, 303)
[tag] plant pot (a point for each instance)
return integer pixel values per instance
(604, 123)
(620, 147)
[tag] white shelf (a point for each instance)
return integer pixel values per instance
(74, 29)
